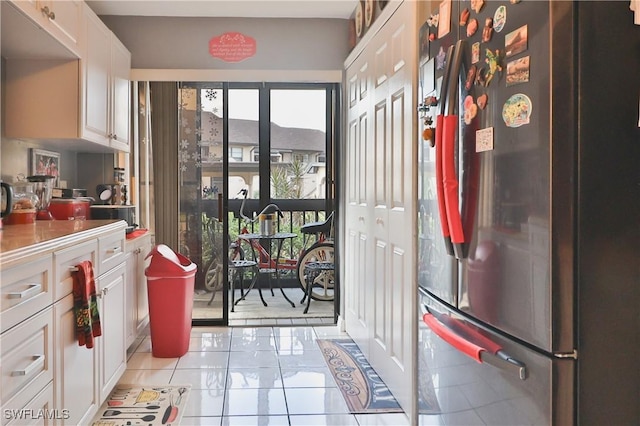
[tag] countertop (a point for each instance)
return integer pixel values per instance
(19, 241)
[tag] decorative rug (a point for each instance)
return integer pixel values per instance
(147, 405)
(362, 388)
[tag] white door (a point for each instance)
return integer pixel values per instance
(380, 231)
(358, 171)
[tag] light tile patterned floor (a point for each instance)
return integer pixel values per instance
(253, 376)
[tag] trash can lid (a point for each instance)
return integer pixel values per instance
(167, 263)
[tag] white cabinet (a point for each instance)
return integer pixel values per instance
(76, 384)
(60, 20)
(85, 99)
(106, 98)
(102, 365)
(111, 345)
(137, 309)
(27, 361)
(25, 289)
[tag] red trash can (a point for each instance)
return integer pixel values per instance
(170, 282)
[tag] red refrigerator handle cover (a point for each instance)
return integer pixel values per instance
(439, 182)
(450, 180)
(466, 331)
(464, 346)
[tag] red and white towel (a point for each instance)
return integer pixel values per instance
(85, 305)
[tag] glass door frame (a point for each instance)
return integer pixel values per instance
(332, 135)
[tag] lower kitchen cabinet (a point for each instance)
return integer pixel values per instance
(76, 384)
(137, 308)
(111, 345)
(26, 354)
(38, 411)
(84, 377)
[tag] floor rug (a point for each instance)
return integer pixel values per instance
(362, 388)
(146, 405)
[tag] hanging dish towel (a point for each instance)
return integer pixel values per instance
(85, 305)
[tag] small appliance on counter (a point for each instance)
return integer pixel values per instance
(6, 200)
(43, 187)
(70, 208)
(114, 194)
(23, 204)
(108, 211)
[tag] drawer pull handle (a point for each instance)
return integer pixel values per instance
(114, 250)
(33, 288)
(38, 361)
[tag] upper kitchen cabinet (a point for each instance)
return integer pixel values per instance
(106, 100)
(82, 100)
(41, 29)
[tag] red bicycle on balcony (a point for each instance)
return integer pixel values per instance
(322, 249)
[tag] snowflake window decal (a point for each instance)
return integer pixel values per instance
(211, 94)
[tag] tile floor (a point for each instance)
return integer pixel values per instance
(253, 376)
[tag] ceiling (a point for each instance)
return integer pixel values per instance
(227, 8)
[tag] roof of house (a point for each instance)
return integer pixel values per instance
(245, 132)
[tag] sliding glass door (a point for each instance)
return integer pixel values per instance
(275, 141)
(201, 186)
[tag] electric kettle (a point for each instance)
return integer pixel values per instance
(6, 203)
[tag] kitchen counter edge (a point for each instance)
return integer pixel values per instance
(21, 242)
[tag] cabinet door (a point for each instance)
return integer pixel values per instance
(112, 343)
(96, 60)
(120, 95)
(64, 18)
(76, 384)
(60, 19)
(131, 308)
(141, 284)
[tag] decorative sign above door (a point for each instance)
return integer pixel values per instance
(232, 47)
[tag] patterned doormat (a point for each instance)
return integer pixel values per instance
(147, 405)
(362, 388)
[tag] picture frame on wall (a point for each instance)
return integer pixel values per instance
(46, 163)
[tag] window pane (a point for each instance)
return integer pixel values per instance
(243, 142)
(298, 144)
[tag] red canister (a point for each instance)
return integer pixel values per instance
(69, 209)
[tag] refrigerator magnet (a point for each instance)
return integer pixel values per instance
(477, 5)
(494, 60)
(471, 77)
(518, 71)
(517, 110)
(444, 22)
(470, 109)
(475, 52)
(484, 139)
(487, 31)
(482, 101)
(516, 41)
(499, 18)
(472, 27)
(464, 17)
(440, 58)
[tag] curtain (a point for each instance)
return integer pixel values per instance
(164, 133)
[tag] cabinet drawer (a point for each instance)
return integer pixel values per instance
(38, 411)
(27, 359)
(25, 289)
(67, 259)
(110, 252)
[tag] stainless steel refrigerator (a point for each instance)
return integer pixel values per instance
(529, 214)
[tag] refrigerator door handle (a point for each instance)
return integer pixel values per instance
(449, 177)
(500, 359)
(442, 211)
